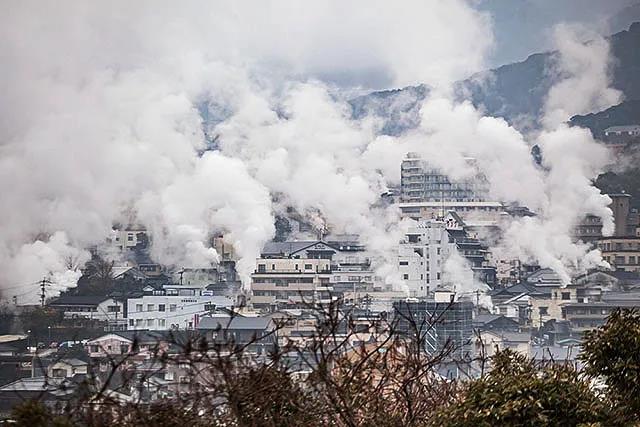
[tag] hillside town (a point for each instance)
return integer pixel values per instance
(277, 213)
(128, 306)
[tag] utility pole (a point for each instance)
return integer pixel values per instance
(43, 285)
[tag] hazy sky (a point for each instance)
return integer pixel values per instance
(522, 27)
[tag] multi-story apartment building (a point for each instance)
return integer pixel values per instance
(352, 267)
(622, 134)
(427, 247)
(421, 257)
(292, 274)
(623, 253)
(172, 307)
(626, 220)
(422, 183)
(130, 237)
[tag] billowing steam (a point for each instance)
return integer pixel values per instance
(102, 116)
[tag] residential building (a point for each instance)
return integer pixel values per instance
(626, 220)
(99, 308)
(67, 368)
(489, 342)
(622, 134)
(423, 252)
(352, 268)
(293, 274)
(421, 257)
(585, 316)
(422, 183)
(621, 252)
(255, 334)
(129, 237)
(172, 307)
(495, 322)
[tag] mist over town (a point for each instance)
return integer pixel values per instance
(320, 213)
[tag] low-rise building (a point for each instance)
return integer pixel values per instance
(172, 307)
(100, 308)
(622, 134)
(258, 335)
(623, 253)
(590, 315)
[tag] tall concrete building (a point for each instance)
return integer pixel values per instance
(423, 183)
(423, 252)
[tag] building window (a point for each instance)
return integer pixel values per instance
(308, 266)
(404, 262)
(130, 237)
(139, 308)
(405, 276)
(172, 307)
(544, 311)
(262, 268)
(566, 296)
(59, 373)
(161, 307)
(95, 349)
(131, 322)
(113, 309)
(138, 322)
(124, 348)
(150, 322)
(162, 322)
(150, 307)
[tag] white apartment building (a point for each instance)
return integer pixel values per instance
(421, 257)
(172, 307)
(128, 238)
(484, 213)
(291, 281)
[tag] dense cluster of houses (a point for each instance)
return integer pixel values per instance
(480, 303)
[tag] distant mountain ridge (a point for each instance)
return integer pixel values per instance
(625, 113)
(515, 91)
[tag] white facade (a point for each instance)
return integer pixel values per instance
(200, 277)
(108, 310)
(290, 281)
(421, 257)
(486, 213)
(126, 239)
(176, 307)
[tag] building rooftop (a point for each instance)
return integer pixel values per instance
(234, 323)
(79, 300)
(285, 249)
(627, 128)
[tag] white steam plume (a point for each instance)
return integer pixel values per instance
(99, 118)
(583, 68)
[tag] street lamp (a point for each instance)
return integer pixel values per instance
(28, 338)
(49, 328)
